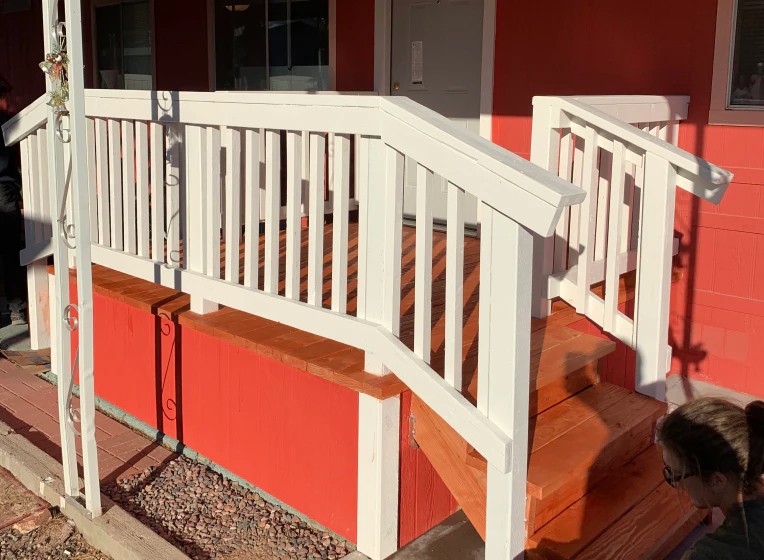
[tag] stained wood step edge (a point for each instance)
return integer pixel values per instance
(659, 520)
(224, 324)
(581, 523)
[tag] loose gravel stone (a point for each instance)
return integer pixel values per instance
(208, 516)
(55, 539)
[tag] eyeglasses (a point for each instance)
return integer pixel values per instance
(673, 479)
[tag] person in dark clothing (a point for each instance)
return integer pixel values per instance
(714, 451)
(10, 220)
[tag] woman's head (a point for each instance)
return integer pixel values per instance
(714, 450)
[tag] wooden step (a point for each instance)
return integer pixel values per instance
(564, 362)
(578, 457)
(653, 528)
(575, 444)
(578, 526)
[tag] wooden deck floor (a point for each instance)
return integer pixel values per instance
(330, 359)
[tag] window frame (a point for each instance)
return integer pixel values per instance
(722, 112)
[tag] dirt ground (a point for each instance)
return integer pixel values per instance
(31, 530)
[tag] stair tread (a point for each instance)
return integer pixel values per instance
(560, 419)
(579, 525)
(644, 531)
(583, 449)
(557, 352)
(561, 359)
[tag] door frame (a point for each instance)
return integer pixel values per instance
(383, 20)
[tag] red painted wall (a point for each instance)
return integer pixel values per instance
(665, 47)
(355, 45)
(181, 44)
(290, 433)
(21, 50)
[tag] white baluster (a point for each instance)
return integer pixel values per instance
(454, 286)
(272, 209)
(316, 218)
(233, 205)
(590, 183)
(211, 229)
(612, 275)
(293, 218)
(423, 280)
(253, 185)
(341, 207)
(128, 185)
(142, 187)
(92, 180)
(115, 185)
(157, 192)
(102, 180)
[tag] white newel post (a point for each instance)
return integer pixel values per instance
(655, 252)
(81, 207)
(545, 147)
(504, 374)
(61, 340)
(380, 234)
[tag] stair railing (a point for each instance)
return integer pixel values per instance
(176, 179)
(630, 173)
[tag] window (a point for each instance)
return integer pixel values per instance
(737, 95)
(123, 45)
(272, 44)
(747, 77)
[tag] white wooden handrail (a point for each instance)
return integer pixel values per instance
(701, 178)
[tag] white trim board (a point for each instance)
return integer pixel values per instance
(383, 10)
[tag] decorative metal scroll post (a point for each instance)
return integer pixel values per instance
(63, 65)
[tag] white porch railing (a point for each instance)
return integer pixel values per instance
(175, 177)
(619, 151)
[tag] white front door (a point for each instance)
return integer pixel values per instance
(436, 61)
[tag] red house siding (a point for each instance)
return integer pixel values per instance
(290, 433)
(355, 45)
(664, 48)
(21, 50)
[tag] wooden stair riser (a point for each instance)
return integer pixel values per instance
(562, 388)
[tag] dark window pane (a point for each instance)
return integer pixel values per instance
(240, 45)
(747, 86)
(109, 46)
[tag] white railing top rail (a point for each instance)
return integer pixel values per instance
(508, 183)
(694, 174)
(639, 108)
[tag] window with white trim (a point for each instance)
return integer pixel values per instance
(737, 89)
(746, 85)
(272, 44)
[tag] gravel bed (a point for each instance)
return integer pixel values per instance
(56, 539)
(208, 516)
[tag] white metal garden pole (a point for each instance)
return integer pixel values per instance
(83, 259)
(62, 365)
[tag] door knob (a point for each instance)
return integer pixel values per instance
(396, 86)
